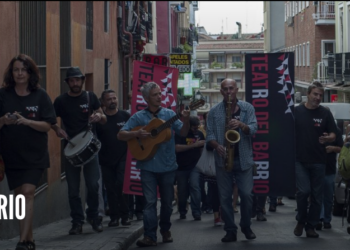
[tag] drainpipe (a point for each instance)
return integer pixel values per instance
(131, 44)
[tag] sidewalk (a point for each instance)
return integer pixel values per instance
(55, 236)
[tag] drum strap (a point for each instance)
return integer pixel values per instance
(88, 100)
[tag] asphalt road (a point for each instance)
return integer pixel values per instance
(274, 234)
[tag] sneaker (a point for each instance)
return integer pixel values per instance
(166, 236)
(197, 217)
(146, 242)
(22, 246)
(235, 210)
(248, 233)
(272, 208)
(218, 222)
(131, 215)
(348, 230)
(319, 226)
(261, 217)
(30, 245)
(113, 223)
(125, 222)
(209, 211)
(310, 233)
(96, 224)
(76, 229)
(182, 216)
(229, 237)
(327, 225)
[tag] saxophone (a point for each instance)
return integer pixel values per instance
(231, 137)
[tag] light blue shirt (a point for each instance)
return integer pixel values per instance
(165, 158)
(216, 131)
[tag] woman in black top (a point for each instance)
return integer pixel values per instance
(26, 115)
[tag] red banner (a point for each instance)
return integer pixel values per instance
(166, 78)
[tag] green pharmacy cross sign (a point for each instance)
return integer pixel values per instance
(188, 83)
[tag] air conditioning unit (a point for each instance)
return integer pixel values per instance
(290, 21)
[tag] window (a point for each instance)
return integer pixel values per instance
(296, 56)
(327, 46)
(299, 6)
(219, 80)
(236, 59)
(220, 59)
(89, 24)
(307, 54)
(302, 5)
(307, 3)
(300, 55)
(303, 45)
(106, 15)
(107, 64)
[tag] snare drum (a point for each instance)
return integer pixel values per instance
(84, 149)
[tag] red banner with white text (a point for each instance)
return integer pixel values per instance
(166, 78)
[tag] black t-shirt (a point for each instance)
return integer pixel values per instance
(188, 159)
(113, 151)
(310, 124)
(74, 111)
(21, 146)
(332, 157)
(237, 116)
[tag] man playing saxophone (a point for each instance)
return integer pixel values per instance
(222, 118)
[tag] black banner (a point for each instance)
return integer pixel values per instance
(270, 89)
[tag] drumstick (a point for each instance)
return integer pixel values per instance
(71, 143)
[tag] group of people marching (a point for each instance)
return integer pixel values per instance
(27, 114)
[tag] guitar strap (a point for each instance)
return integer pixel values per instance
(154, 113)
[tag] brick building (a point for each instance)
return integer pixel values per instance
(310, 34)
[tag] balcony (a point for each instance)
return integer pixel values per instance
(325, 13)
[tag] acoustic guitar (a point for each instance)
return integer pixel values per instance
(144, 149)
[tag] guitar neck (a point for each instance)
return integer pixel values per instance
(168, 123)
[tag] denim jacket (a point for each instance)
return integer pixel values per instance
(165, 158)
(216, 131)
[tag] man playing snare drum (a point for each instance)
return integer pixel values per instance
(78, 109)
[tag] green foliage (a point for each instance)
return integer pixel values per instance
(215, 64)
(238, 65)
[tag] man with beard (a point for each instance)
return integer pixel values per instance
(78, 109)
(112, 157)
(314, 128)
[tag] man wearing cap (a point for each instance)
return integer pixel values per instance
(78, 109)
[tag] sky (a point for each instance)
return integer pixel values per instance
(216, 16)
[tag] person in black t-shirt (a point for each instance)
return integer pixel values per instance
(26, 113)
(112, 157)
(74, 109)
(188, 151)
(314, 127)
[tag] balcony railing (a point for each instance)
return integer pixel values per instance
(220, 65)
(325, 11)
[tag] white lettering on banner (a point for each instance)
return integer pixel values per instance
(139, 99)
(20, 204)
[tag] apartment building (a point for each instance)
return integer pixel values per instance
(310, 34)
(222, 58)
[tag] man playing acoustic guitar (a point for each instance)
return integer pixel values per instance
(161, 168)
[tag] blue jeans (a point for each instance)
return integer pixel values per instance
(113, 178)
(91, 175)
(244, 181)
(188, 184)
(165, 181)
(309, 179)
(328, 191)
